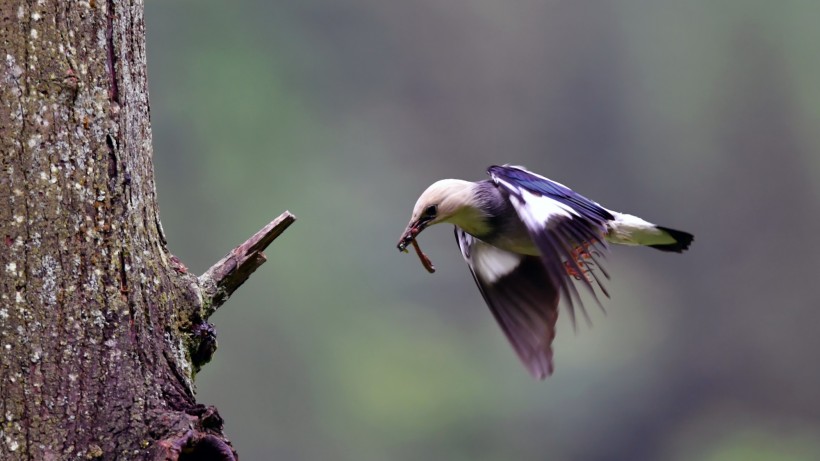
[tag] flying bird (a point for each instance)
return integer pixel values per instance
(526, 239)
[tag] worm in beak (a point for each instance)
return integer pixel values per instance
(408, 238)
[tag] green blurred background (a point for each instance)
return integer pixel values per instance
(699, 115)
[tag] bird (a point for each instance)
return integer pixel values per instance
(526, 240)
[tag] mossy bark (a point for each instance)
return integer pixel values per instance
(100, 326)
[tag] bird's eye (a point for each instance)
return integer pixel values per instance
(431, 211)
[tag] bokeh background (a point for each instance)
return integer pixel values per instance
(700, 115)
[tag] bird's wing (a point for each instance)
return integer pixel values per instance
(561, 223)
(518, 291)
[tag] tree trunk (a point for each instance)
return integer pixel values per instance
(101, 329)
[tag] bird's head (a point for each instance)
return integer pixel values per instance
(443, 201)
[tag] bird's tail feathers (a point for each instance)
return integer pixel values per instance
(626, 229)
(681, 243)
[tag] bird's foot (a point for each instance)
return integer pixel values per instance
(583, 262)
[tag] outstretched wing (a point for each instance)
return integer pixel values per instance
(518, 291)
(562, 224)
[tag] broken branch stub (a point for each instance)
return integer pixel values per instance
(223, 278)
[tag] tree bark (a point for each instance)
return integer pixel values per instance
(101, 328)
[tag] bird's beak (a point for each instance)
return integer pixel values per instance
(413, 229)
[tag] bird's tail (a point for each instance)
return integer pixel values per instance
(682, 240)
(626, 229)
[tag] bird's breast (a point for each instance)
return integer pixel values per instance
(521, 244)
(511, 235)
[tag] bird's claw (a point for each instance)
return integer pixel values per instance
(583, 260)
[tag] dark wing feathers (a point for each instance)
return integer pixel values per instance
(559, 222)
(546, 187)
(521, 298)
